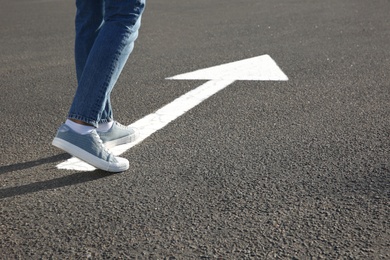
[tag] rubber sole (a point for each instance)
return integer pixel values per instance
(123, 140)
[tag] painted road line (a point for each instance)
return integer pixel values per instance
(261, 68)
(219, 77)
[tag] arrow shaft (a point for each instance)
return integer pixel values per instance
(157, 120)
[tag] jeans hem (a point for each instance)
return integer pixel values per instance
(84, 119)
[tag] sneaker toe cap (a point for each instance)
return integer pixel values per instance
(120, 165)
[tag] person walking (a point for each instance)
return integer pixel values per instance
(105, 34)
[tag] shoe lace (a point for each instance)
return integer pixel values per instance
(120, 125)
(100, 142)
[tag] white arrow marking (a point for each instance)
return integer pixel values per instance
(257, 68)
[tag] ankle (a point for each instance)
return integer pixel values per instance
(79, 128)
(104, 127)
(79, 122)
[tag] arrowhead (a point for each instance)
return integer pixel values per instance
(257, 68)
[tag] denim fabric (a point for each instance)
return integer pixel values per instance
(105, 35)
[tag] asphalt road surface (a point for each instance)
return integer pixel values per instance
(296, 169)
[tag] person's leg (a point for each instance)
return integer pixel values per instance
(106, 60)
(89, 19)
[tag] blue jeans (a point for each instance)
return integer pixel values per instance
(105, 35)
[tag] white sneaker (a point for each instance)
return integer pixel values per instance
(89, 148)
(117, 135)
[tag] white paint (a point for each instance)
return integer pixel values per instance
(257, 68)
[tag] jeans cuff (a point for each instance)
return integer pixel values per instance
(84, 119)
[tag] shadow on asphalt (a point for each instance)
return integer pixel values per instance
(76, 178)
(26, 165)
